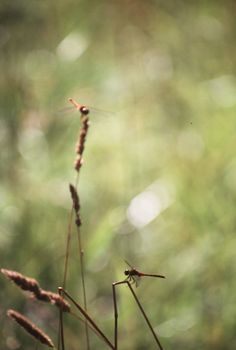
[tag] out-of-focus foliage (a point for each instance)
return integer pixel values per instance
(158, 185)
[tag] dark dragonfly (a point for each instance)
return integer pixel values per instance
(134, 275)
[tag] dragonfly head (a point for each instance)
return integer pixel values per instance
(84, 110)
(126, 272)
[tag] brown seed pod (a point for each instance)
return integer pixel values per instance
(30, 328)
(25, 283)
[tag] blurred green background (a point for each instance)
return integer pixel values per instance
(158, 186)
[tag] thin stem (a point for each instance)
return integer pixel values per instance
(115, 316)
(89, 319)
(78, 163)
(142, 311)
(80, 247)
(67, 247)
(81, 257)
(83, 321)
(144, 315)
(59, 333)
(66, 265)
(61, 328)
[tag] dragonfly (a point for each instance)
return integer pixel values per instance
(134, 275)
(84, 110)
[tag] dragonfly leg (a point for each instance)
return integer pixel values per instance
(128, 278)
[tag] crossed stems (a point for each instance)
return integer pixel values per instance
(140, 307)
(88, 318)
(94, 325)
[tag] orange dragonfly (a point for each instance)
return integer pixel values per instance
(81, 108)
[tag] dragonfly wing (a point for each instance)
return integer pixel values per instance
(137, 280)
(102, 112)
(128, 264)
(65, 110)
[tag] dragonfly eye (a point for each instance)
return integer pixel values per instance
(84, 110)
(126, 272)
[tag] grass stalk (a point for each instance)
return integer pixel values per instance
(141, 309)
(89, 319)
